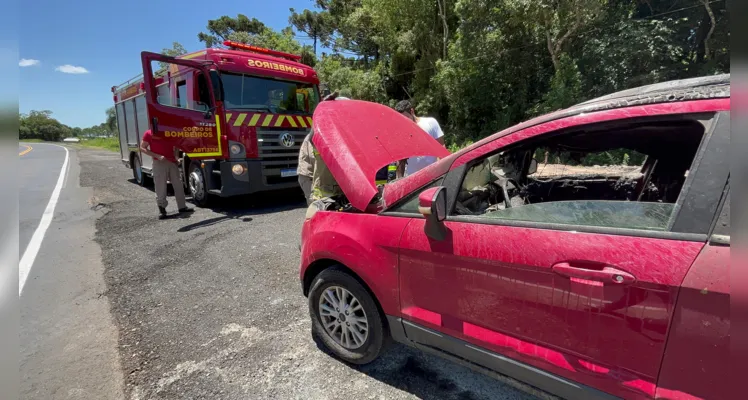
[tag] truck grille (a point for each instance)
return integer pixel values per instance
(275, 156)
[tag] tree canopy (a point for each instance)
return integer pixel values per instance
(40, 125)
(480, 66)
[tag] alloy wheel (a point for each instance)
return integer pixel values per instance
(343, 317)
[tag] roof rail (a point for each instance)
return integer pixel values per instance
(127, 82)
(261, 50)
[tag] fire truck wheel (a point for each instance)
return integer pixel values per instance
(137, 172)
(196, 184)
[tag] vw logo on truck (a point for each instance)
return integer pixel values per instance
(286, 140)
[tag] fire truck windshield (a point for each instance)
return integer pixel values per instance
(246, 92)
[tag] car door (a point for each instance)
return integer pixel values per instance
(696, 362)
(582, 289)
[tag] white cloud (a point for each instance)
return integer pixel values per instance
(28, 62)
(71, 69)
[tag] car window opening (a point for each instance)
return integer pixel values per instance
(582, 177)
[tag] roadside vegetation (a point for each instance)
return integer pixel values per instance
(41, 126)
(481, 66)
(477, 66)
(108, 143)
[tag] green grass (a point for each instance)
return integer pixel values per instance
(31, 141)
(110, 143)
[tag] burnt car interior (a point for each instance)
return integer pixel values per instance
(644, 162)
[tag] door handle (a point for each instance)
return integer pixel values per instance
(154, 121)
(606, 275)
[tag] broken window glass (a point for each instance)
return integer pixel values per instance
(629, 176)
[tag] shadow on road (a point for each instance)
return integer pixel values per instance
(211, 221)
(410, 370)
(242, 206)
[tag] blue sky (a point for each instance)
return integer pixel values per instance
(105, 38)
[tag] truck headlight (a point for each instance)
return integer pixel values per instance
(237, 169)
(235, 149)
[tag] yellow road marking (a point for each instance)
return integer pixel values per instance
(28, 149)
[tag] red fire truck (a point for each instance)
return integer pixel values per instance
(237, 117)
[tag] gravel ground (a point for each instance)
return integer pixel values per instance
(210, 306)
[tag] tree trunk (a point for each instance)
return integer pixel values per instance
(315, 46)
(711, 28)
(443, 14)
(551, 50)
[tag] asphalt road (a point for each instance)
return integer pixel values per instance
(39, 168)
(209, 306)
(68, 340)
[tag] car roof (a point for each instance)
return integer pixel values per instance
(701, 88)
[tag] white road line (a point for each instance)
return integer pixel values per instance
(24, 267)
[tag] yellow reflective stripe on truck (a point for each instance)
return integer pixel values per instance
(266, 120)
(253, 121)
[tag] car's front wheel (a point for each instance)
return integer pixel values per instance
(345, 318)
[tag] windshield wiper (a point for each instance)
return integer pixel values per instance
(252, 108)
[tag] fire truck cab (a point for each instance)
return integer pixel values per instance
(236, 117)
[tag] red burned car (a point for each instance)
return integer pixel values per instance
(584, 252)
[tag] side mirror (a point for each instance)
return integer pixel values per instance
(209, 113)
(533, 167)
(432, 203)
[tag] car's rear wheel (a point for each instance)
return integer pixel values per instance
(345, 318)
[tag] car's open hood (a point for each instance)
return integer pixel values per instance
(357, 138)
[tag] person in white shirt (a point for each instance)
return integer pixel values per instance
(430, 126)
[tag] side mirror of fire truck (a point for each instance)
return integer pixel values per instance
(209, 113)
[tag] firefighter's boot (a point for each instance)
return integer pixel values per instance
(161, 212)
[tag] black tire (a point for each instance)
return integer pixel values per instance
(200, 197)
(140, 178)
(377, 338)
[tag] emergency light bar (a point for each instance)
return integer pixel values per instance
(261, 50)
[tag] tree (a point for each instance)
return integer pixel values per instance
(353, 27)
(236, 29)
(480, 66)
(176, 50)
(41, 125)
(111, 120)
(284, 40)
(315, 24)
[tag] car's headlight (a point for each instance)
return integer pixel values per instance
(311, 210)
